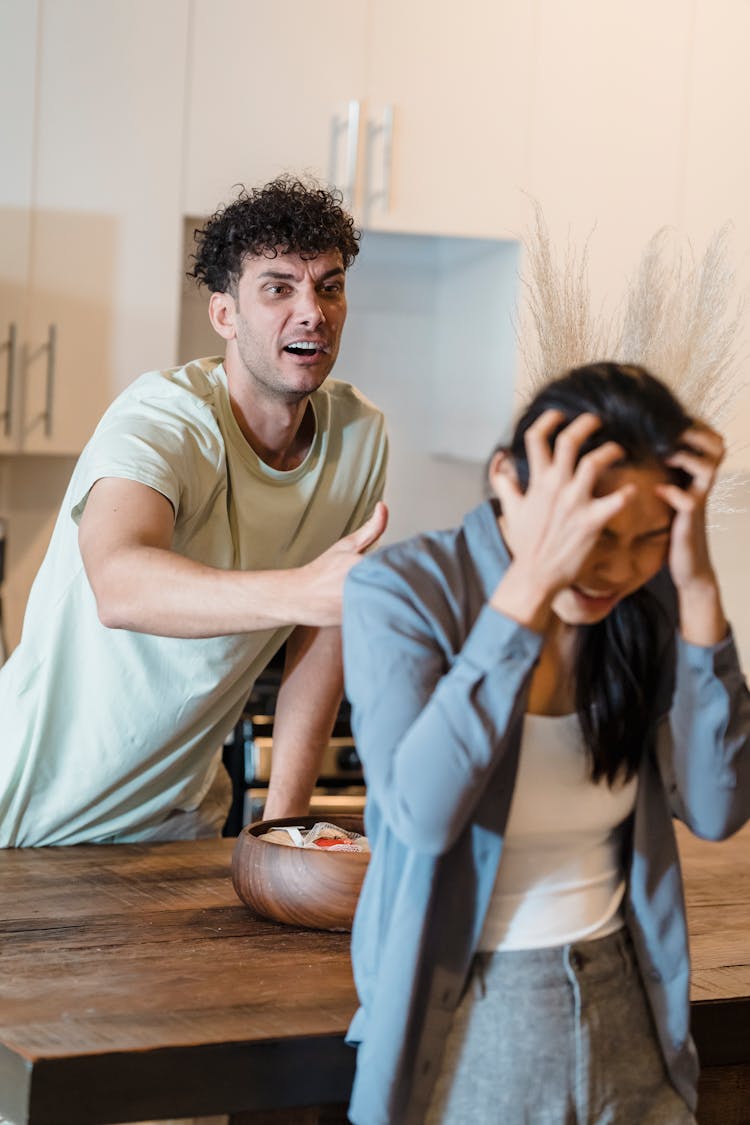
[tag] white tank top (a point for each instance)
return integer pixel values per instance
(561, 876)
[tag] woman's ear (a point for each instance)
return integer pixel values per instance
(501, 471)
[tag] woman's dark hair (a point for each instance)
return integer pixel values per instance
(286, 216)
(618, 658)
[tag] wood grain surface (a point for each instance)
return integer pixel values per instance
(135, 984)
(133, 976)
(717, 895)
(156, 943)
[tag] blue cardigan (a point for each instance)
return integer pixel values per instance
(438, 681)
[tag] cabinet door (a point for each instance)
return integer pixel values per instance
(269, 86)
(18, 31)
(717, 174)
(458, 80)
(105, 256)
(608, 125)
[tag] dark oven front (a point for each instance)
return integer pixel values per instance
(340, 786)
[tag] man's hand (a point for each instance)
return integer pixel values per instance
(323, 578)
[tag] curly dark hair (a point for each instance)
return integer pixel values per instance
(287, 215)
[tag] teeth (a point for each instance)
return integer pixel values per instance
(304, 345)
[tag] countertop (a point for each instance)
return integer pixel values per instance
(135, 984)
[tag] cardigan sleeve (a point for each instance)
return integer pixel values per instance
(704, 743)
(430, 721)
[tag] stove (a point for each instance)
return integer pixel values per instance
(340, 787)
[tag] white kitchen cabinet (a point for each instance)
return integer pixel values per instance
(270, 88)
(442, 93)
(452, 84)
(100, 272)
(608, 125)
(18, 33)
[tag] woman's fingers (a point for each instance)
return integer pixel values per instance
(567, 445)
(605, 508)
(537, 438)
(676, 497)
(703, 438)
(700, 456)
(701, 469)
(569, 441)
(593, 464)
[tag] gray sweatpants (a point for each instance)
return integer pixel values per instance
(559, 1036)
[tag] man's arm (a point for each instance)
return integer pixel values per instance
(125, 537)
(306, 708)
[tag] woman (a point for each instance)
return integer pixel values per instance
(530, 715)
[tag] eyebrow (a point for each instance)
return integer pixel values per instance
(657, 531)
(279, 275)
(646, 535)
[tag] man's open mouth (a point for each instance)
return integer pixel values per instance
(306, 348)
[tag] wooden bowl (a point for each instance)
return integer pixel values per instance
(309, 887)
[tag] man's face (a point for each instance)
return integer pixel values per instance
(289, 314)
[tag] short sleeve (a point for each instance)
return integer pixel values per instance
(165, 441)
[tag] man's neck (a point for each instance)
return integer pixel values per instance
(280, 432)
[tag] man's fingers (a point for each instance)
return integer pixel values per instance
(371, 530)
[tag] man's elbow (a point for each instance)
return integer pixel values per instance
(113, 606)
(112, 613)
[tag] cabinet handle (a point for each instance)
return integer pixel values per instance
(10, 346)
(352, 151)
(351, 125)
(384, 129)
(51, 349)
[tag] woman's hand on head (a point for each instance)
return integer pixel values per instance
(700, 457)
(702, 618)
(552, 526)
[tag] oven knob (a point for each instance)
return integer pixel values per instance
(348, 759)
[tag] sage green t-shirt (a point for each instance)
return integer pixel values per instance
(106, 732)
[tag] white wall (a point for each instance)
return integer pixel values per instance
(430, 340)
(730, 549)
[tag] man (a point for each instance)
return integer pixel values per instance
(213, 515)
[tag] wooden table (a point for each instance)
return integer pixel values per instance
(717, 892)
(135, 985)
